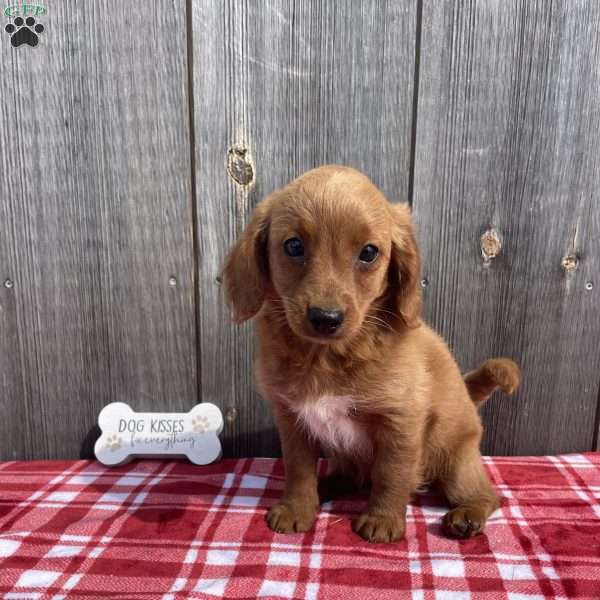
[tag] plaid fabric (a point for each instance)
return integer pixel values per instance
(171, 530)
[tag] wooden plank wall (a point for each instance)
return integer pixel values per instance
(508, 127)
(96, 219)
(279, 88)
(130, 163)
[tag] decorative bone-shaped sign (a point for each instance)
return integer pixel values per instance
(126, 434)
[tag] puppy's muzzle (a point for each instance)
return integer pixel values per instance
(325, 321)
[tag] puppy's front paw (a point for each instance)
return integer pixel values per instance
(463, 522)
(290, 518)
(379, 528)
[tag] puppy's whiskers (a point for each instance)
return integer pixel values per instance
(378, 309)
(292, 301)
(376, 321)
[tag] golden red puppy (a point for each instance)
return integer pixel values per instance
(330, 270)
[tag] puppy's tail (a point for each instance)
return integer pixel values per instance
(494, 373)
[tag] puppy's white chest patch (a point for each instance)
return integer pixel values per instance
(330, 421)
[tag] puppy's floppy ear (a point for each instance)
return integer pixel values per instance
(405, 267)
(246, 270)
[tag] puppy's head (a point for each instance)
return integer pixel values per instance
(329, 254)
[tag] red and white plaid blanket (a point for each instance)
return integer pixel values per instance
(171, 530)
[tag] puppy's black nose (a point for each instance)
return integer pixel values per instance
(325, 320)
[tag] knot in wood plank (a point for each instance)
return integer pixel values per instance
(239, 165)
(570, 262)
(490, 244)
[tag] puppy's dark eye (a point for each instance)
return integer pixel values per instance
(368, 254)
(294, 247)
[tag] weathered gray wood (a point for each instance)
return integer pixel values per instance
(291, 85)
(96, 217)
(507, 137)
(96, 208)
(15, 440)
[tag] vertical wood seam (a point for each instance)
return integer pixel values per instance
(596, 432)
(415, 103)
(193, 195)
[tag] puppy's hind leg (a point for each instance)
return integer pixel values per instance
(468, 489)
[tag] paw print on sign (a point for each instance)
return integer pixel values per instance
(113, 442)
(24, 31)
(200, 424)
